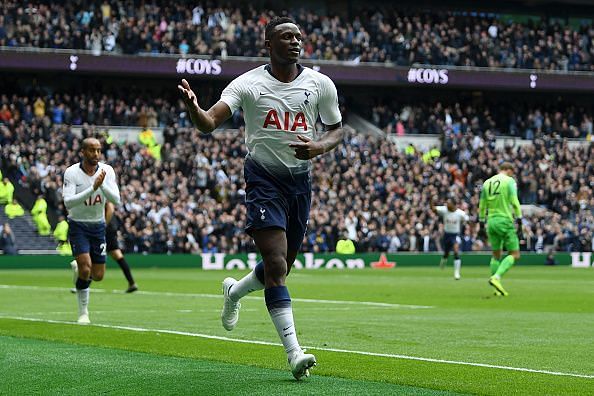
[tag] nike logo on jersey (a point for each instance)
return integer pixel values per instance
(262, 93)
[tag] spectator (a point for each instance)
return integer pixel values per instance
(7, 241)
(13, 210)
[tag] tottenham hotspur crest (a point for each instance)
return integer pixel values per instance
(262, 210)
(306, 93)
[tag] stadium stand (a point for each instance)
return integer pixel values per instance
(188, 199)
(373, 34)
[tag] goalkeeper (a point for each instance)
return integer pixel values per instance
(499, 205)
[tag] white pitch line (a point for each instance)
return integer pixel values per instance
(200, 295)
(256, 342)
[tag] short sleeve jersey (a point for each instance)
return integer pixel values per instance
(276, 112)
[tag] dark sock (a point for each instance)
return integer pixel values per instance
(126, 270)
(277, 297)
(82, 284)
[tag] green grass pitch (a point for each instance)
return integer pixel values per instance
(400, 331)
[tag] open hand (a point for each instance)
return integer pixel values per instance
(307, 148)
(189, 97)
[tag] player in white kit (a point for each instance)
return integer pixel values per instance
(87, 186)
(281, 103)
(452, 219)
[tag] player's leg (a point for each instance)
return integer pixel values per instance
(496, 245)
(97, 271)
(81, 248)
(117, 255)
(250, 283)
(513, 246)
(444, 259)
(254, 280)
(113, 248)
(496, 240)
(495, 261)
(83, 283)
(446, 252)
(272, 243)
(457, 260)
(94, 265)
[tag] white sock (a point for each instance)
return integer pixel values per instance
(285, 327)
(83, 301)
(244, 286)
(74, 267)
(457, 265)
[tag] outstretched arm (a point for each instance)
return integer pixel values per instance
(205, 121)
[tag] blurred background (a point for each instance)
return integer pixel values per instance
(434, 95)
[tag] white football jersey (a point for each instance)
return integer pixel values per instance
(84, 204)
(452, 221)
(276, 112)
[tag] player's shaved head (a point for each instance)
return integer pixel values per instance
(273, 23)
(90, 142)
(91, 151)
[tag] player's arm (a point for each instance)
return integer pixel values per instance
(513, 199)
(483, 205)
(308, 148)
(482, 213)
(71, 198)
(517, 208)
(464, 215)
(331, 118)
(109, 209)
(110, 187)
(440, 210)
(205, 121)
(432, 206)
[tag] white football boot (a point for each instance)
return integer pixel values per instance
(230, 314)
(300, 363)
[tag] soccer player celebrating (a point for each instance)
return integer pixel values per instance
(281, 103)
(87, 186)
(499, 203)
(452, 219)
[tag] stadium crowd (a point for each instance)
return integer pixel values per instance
(502, 118)
(400, 118)
(392, 34)
(368, 191)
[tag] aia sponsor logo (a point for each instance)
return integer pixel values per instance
(91, 202)
(285, 121)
